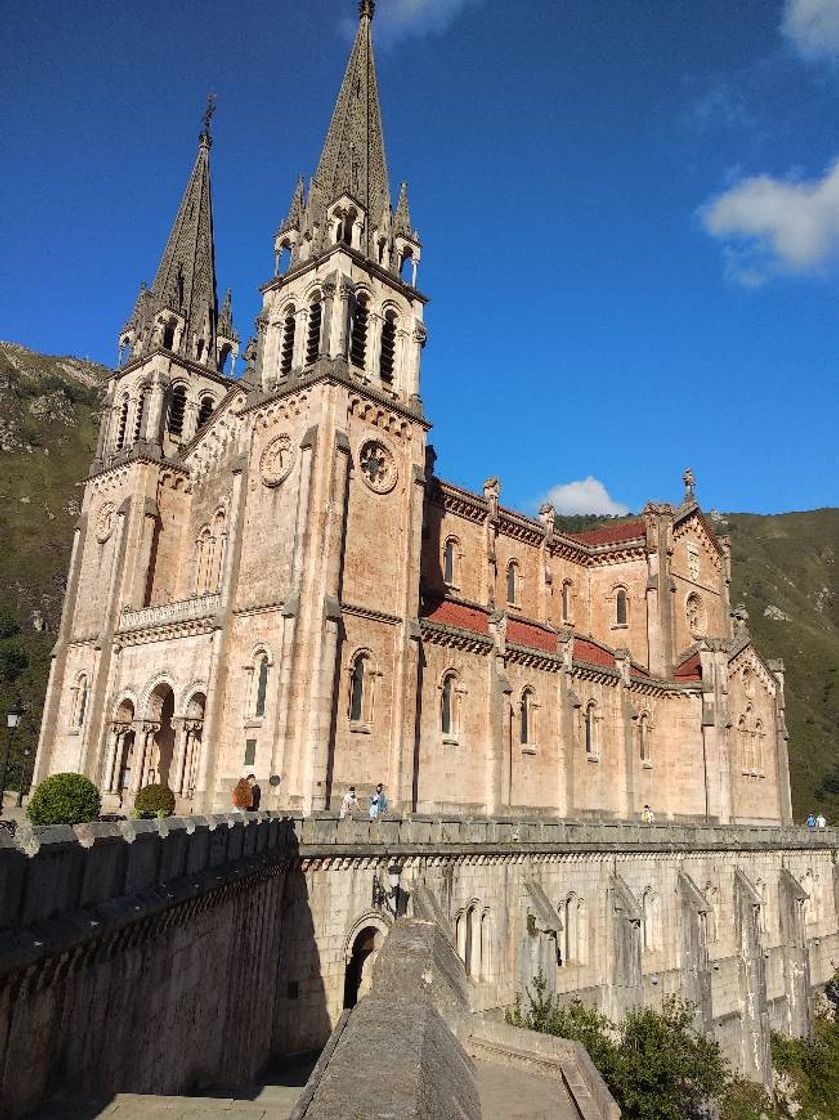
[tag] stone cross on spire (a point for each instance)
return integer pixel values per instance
(366, 8)
(205, 135)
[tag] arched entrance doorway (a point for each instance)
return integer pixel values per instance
(161, 710)
(360, 957)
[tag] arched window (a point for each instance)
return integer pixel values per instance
(284, 258)
(224, 358)
(621, 612)
(758, 747)
(287, 345)
(80, 707)
(140, 413)
(526, 718)
(169, 336)
(219, 542)
(590, 729)
(405, 261)
(123, 422)
(473, 941)
(574, 936)
(205, 411)
(261, 686)
(513, 583)
(314, 331)
(651, 909)
(387, 357)
(743, 736)
(486, 945)
(345, 224)
(449, 713)
(358, 338)
(199, 350)
(695, 613)
(361, 690)
(203, 560)
(177, 409)
(450, 561)
(566, 600)
(644, 752)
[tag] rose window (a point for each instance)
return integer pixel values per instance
(378, 467)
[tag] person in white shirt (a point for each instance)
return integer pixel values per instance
(820, 821)
(349, 804)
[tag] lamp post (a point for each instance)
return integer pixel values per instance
(13, 717)
(24, 767)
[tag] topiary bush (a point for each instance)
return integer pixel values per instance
(155, 800)
(64, 799)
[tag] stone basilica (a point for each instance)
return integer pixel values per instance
(269, 576)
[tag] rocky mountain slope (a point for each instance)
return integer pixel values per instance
(48, 427)
(786, 567)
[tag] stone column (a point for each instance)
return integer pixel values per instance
(144, 753)
(327, 324)
(343, 307)
(157, 408)
(179, 754)
(301, 315)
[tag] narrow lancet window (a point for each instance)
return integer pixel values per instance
(357, 691)
(261, 687)
(123, 421)
(313, 334)
(177, 409)
(358, 341)
(287, 348)
(387, 357)
(140, 414)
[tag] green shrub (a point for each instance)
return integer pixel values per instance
(64, 799)
(811, 1066)
(655, 1064)
(746, 1100)
(156, 801)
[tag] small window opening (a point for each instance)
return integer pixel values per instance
(140, 414)
(566, 601)
(123, 421)
(449, 561)
(620, 608)
(199, 351)
(169, 336)
(81, 706)
(224, 358)
(177, 409)
(313, 335)
(357, 691)
(261, 687)
(287, 347)
(512, 582)
(205, 411)
(358, 340)
(284, 259)
(404, 266)
(447, 706)
(589, 729)
(525, 719)
(388, 354)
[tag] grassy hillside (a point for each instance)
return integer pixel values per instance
(48, 426)
(786, 571)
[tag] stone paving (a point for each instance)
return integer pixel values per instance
(513, 1094)
(273, 1100)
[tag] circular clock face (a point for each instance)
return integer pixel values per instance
(377, 466)
(105, 521)
(277, 460)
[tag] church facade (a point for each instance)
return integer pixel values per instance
(269, 576)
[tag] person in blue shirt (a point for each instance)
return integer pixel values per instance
(811, 823)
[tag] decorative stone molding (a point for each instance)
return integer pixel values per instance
(377, 466)
(186, 610)
(276, 461)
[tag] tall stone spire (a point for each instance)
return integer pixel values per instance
(353, 158)
(180, 310)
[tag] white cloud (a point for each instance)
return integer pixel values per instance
(776, 226)
(813, 27)
(586, 495)
(400, 19)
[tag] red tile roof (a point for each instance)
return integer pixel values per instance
(612, 534)
(527, 634)
(592, 654)
(690, 669)
(449, 613)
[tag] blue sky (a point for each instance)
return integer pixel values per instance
(629, 214)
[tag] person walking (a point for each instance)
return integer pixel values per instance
(811, 823)
(378, 803)
(349, 804)
(256, 794)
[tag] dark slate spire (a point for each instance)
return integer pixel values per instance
(184, 288)
(402, 220)
(353, 158)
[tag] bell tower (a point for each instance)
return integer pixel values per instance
(344, 294)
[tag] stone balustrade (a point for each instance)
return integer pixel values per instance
(185, 610)
(47, 872)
